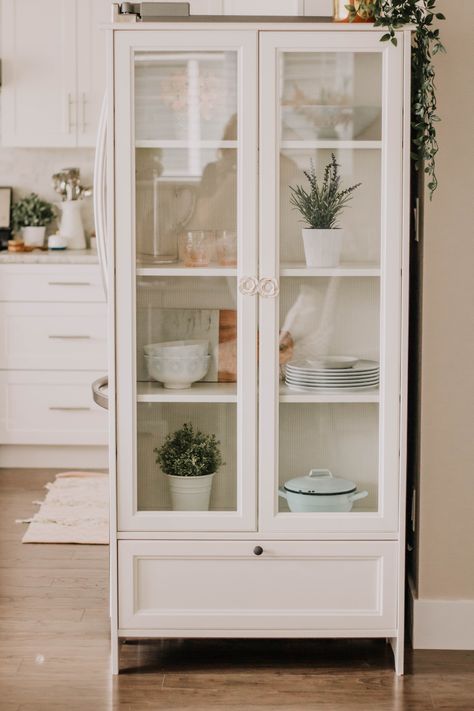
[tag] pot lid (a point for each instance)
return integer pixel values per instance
(320, 482)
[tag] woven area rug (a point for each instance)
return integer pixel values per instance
(75, 510)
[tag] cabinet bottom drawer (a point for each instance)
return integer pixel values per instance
(170, 586)
(50, 408)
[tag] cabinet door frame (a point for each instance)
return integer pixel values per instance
(386, 518)
(13, 134)
(129, 518)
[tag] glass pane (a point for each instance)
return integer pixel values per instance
(198, 314)
(359, 222)
(330, 112)
(340, 438)
(186, 129)
(186, 149)
(180, 191)
(331, 96)
(189, 96)
(156, 491)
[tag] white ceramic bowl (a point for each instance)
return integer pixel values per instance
(177, 373)
(179, 349)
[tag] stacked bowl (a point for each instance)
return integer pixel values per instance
(177, 364)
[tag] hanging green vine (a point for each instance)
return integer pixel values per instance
(393, 15)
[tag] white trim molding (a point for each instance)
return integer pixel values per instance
(441, 624)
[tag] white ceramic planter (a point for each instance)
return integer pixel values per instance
(71, 227)
(33, 236)
(322, 248)
(190, 493)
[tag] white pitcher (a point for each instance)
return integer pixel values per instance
(71, 226)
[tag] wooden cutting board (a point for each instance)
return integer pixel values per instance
(227, 349)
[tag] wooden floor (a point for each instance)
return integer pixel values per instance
(54, 648)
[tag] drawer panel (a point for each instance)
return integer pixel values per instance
(293, 586)
(50, 408)
(44, 282)
(53, 336)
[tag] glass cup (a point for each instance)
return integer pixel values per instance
(226, 243)
(197, 248)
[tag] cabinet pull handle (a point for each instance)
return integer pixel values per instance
(258, 550)
(268, 288)
(70, 102)
(83, 107)
(62, 408)
(70, 338)
(248, 285)
(69, 283)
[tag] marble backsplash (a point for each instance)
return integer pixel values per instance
(29, 170)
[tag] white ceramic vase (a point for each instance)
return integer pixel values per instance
(322, 248)
(190, 493)
(71, 227)
(33, 236)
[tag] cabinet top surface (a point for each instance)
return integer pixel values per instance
(208, 22)
(80, 256)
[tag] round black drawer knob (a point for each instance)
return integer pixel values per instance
(258, 550)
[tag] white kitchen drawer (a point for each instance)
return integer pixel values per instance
(51, 282)
(53, 336)
(299, 587)
(50, 408)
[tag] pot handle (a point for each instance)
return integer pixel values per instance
(282, 492)
(358, 495)
(320, 473)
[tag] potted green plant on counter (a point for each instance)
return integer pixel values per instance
(320, 208)
(31, 215)
(189, 458)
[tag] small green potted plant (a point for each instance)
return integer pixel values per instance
(189, 459)
(320, 208)
(31, 215)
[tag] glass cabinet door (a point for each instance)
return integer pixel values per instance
(330, 339)
(186, 177)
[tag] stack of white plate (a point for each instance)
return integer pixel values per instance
(322, 375)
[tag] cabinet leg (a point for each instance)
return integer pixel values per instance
(115, 654)
(398, 648)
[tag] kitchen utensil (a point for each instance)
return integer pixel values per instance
(179, 349)
(333, 362)
(320, 491)
(177, 373)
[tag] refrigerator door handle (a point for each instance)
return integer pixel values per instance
(100, 219)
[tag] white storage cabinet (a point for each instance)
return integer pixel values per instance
(53, 345)
(213, 123)
(53, 71)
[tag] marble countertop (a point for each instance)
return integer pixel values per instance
(68, 256)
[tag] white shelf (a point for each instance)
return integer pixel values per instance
(201, 145)
(289, 395)
(177, 270)
(301, 144)
(198, 392)
(361, 269)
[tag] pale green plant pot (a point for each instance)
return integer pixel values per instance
(190, 493)
(322, 248)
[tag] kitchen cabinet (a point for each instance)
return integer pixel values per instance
(213, 124)
(53, 71)
(53, 332)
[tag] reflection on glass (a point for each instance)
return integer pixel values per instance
(157, 490)
(186, 149)
(331, 96)
(326, 317)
